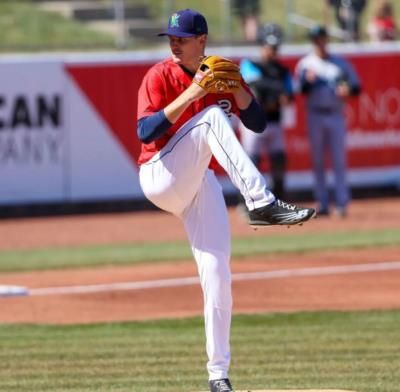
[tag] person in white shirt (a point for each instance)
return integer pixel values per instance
(327, 80)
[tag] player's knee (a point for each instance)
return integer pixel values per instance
(215, 111)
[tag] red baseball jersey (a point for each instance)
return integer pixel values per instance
(162, 84)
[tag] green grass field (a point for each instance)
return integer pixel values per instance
(25, 27)
(342, 350)
(129, 254)
(357, 351)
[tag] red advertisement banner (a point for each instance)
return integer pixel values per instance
(373, 118)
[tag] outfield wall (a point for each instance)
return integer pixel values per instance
(67, 124)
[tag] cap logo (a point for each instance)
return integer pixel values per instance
(174, 22)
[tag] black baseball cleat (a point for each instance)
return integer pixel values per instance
(222, 385)
(280, 213)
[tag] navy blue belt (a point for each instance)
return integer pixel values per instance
(323, 110)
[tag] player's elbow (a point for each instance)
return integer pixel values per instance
(259, 124)
(254, 117)
(143, 133)
(152, 127)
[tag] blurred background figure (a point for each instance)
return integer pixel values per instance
(271, 83)
(327, 80)
(248, 12)
(348, 15)
(382, 26)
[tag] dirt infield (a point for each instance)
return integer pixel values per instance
(342, 279)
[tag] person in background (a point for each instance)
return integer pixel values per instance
(327, 80)
(348, 15)
(271, 83)
(382, 26)
(248, 12)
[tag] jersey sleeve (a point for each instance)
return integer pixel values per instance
(250, 71)
(351, 76)
(151, 96)
(288, 83)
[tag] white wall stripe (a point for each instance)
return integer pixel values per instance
(194, 280)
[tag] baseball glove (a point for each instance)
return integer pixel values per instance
(218, 75)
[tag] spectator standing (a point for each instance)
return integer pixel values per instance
(348, 14)
(248, 12)
(271, 83)
(327, 80)
(382, 27)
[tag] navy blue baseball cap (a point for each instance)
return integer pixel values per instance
(317, 31)
(186, 23)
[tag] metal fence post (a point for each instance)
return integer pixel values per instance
(226, 21)
(119, 12)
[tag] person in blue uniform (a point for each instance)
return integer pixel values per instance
(327, 80)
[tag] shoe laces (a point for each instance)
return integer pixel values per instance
(285, 205)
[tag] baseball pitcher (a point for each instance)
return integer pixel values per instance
(182, 126)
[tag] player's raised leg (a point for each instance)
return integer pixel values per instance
(188, 154)
(264, 208)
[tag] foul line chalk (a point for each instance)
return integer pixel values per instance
(13, 291)
(179, 282)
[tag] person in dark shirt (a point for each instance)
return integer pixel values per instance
(271, 83)
(248, 12)
(348, 14)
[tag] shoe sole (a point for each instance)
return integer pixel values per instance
(264, 223)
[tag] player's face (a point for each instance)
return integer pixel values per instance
(269, 52)
(321, 42)
(186, 50)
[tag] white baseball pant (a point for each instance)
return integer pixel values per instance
(177, 179)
